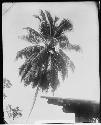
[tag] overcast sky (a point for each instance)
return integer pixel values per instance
(83, 83)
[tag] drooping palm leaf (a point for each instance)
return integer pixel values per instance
(24, 70)
(28, 51)
(44, 82)
(60, 63)
(67, 60)
(43, 16)
(56, 19)
(33, 36)
(29, 69)
(63, 42)
(53, 76)
(45, 30)
(29, 61)
(63, 26)
(73, 47)
(42, 63)
(36, 16)
(31, 75)
(51, 22)
(44, 25)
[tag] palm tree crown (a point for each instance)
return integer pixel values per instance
(44, 62)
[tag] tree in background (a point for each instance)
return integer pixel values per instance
(13, 112)
(6, 84)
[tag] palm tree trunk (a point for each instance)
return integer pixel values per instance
(36, 93)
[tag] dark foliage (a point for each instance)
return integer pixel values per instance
(35, 70)
(64, 26)
(6, 83)
(13, 112)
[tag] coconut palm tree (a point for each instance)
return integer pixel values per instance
(45, 59)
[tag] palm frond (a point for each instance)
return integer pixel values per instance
(23, 70)
(31, 75)
(45, 29)
(29, 68)
(52, 76)
(43, 16)
(41, 77)
(29, 62)
(61, 64)
(35, 80)
(33, 36)
(44, 26)
(64, 56)
(44, 82)
(27, 65)
(37, 17)
(71, 65)
(28, 51)
(63, 26)
(56, 19)
(51, 22)
(47, 23)
(63, 41)
(67, 60)
(35, 73)
(32, 59)
(74, 47)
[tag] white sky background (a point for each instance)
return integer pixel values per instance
(84, 82)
